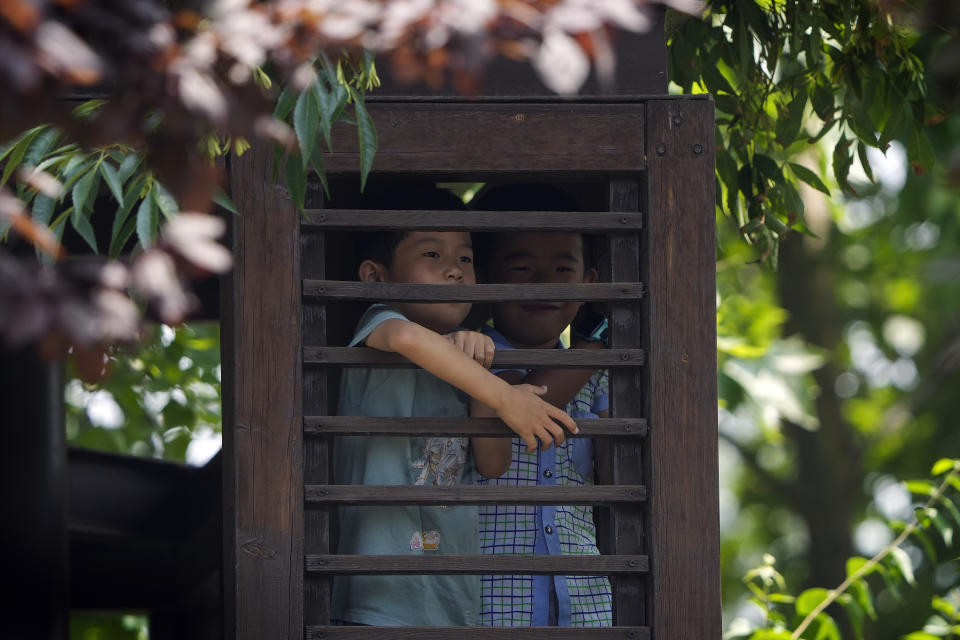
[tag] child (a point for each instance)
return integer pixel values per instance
(528, 258)
(458, 360)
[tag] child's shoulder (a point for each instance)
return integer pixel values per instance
(374, 316)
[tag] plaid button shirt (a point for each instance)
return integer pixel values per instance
(510, 601)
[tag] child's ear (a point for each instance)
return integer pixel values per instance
(371, 271)
(590, 275)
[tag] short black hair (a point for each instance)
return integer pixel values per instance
(380, 246)
(532, 196)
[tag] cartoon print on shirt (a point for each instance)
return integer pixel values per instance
(426, 541)
(442, 462)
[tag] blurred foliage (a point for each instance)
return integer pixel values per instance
(156, 399)
(787, 74)
(108, 625)
(814, 613)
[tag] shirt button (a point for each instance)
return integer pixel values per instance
(548, 529)
(548, 474)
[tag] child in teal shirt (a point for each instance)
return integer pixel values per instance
(454, 363)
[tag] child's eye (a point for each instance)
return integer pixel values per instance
(564, 269)
(466, 259)
(431, 254)
(519, 267)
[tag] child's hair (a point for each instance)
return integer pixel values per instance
(525, 197)
(380, 246)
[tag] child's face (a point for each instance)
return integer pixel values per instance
(537, 257)
(431, 257)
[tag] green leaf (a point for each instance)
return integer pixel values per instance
(790, 120)
(926, 543)
(147, 220)
(809, 599)
(305, 121)
(85, 190)
(367, 134)
(855, 563)
(165, 202)
(855, 613)
(950, 507)
(285, 103)
(944, 527)
(40, 146)
(331, 104)
(892, 128)
(113, 181)
(320, 169)
(130, 163)
(860, 590)
(842, 163)
(43, 209)
(296, 180)
(768, 168)
(920, 487)
(865, 161)
(919, 150)
(17, 152)
(943, 465)
(223, 200)
(808, 176)
(903, 563)
(83, 227)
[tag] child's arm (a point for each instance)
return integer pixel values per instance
(562, 384)
(518, 406)
(492, 456)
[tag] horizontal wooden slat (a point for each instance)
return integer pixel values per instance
(502, 359)
(476, 633)
(392, 292)
(444, 138)
(365, 426)
(380, 495)
(581, 222)
(427, 563)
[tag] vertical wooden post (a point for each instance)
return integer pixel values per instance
(263, 423)
(683, 522)
(316, 469)
(625, 402)
(33, 460)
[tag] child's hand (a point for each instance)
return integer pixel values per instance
(475, 344)
(532, 418)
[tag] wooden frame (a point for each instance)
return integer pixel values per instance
(656, 158)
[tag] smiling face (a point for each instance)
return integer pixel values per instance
(532, 258)
(428, 257)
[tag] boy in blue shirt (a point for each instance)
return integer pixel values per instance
(559, 530)
(450, 360)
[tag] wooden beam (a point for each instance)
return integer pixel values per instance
(427, 564)
(373, 495)
(503, 359)
(681, 451)
(580, 222)
(478, 633)
(444, 138)
(407, 292)
(366, 426)
(263, 418)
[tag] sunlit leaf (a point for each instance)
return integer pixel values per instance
(305, 122)
(809, 599)
(903, 563)
(367, 134)
(147, 220)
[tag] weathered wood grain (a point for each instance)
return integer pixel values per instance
(478, 137)
(478, 633)
(405, 292)
(683, 532)
(366, 426)
(432, 564)
(626, 401)
(502, 359)
(374, 495)
(582, 222)
(263, 479)
(316, 451)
